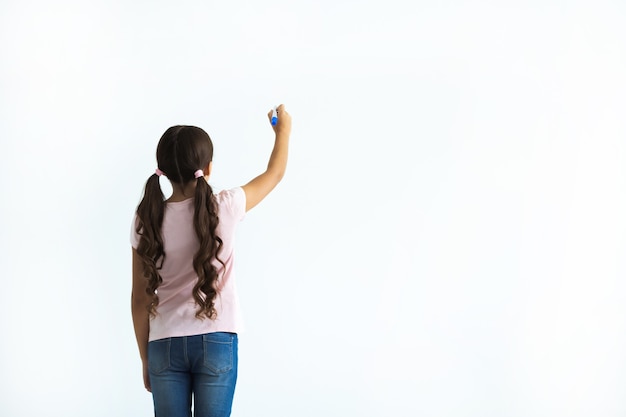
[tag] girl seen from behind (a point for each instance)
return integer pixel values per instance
(185, 307)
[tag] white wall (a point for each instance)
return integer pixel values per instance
(448, 241)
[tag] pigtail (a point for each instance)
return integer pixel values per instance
(205, 224)
(150, 248)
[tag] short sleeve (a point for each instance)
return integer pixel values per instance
(233, 201)
(134, 236)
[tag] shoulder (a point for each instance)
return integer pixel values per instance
(232, 200)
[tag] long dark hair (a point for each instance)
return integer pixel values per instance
(182, 150)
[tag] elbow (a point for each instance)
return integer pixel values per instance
(279, 175)
(276, 169)
(138, 301)
(280, 171)
(275, 175)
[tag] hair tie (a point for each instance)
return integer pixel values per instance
(199, 173)
(159, 172)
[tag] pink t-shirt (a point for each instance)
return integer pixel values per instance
(176, 312)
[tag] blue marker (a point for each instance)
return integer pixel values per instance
(274, 116)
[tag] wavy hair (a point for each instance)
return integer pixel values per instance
(181, 151)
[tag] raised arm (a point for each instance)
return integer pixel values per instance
(257, 189)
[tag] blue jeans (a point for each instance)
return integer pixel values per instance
(204, 365)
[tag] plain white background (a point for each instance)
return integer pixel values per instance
(449, 238)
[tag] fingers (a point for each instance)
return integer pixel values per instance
(279, 109)
(284, 119)
(146, 378)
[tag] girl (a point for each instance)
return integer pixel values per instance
(184, 300)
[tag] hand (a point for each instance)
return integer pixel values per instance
(283, 126)
(146, 377)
